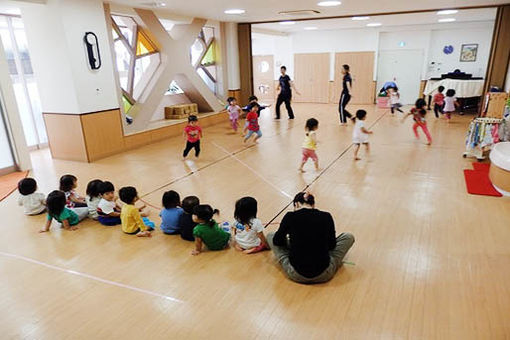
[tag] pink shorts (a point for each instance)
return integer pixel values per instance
(308, 153)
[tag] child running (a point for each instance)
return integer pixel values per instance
(192, 135)
(186, 223)
(207, 230)
(56, 204)
(254, 100)
(310, 143)
(93, 197)
(418, 112)
(234, 111)
(439, 101)
(33, 202)
(252, 124)
(171, 213)
(360, 133)
(132, 221)
(450, 103)
(395, 100)
(247, 228)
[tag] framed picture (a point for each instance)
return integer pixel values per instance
(468, 52)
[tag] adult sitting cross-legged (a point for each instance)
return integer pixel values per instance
(306, 245)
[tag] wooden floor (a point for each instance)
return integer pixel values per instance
(429, 262)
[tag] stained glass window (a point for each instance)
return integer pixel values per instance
(135, 67)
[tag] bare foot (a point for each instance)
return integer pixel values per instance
(44, 230)
(144, 234)
(301, 170)
(238, 247)
(357, 159)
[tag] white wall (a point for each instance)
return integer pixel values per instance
(55, 38)
(456, 37)
(429, 38)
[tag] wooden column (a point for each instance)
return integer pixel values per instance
(500, 50)
(245, 61)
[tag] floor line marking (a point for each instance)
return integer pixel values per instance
(244, 148)
(324, 171)
(90, 277)
(251, 169)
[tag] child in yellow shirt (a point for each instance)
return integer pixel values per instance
(131, 217)
(310, 143)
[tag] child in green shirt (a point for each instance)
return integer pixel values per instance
(56, 205)
(207, 230)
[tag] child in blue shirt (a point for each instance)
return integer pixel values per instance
(254, 101)
(171, 213)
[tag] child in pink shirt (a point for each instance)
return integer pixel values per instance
(233, 112)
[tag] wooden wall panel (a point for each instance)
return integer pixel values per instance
(103, 134)
(65, 136)
(311, 77)
(362, 72)
(245, 61)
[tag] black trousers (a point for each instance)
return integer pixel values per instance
(284, 98)
(345, 97)
(189, 146)
(438, 109)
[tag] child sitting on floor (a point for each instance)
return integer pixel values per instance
(93, 197)
(207, 230)
(56, 204)
(132, 221)
(171, 213)
(107, 209)
(67, 184)
(186, 223)
(247, 228)
(33, 202)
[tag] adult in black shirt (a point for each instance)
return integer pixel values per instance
(345, 96)
(285, 86)
(305, 244)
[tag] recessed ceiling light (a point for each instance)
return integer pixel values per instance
(447, 12)
(310, 28)
(235, 11)
(360, 18)
(447, 20)
(329, 3)
(287, 22)
(374, 24)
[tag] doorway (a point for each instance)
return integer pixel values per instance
(404, 67)
(311, 76)
(263, 78)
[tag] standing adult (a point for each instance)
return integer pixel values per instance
(345, 96)
(305, 244)
(285, 87)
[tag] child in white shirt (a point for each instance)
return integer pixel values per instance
(33, 202)
(395, 100)
(247, 229)
(93, 197)
(360, 133)
(108, 211)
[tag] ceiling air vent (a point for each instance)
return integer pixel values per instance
(303, 12)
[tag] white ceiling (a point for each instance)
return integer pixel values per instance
(263, 10)
(428, 18)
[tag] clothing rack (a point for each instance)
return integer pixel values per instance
(482, 134)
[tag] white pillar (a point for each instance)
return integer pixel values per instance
(234, 78)
(66, 83)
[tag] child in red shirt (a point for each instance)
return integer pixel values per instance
(252, 124)
(192, 135)
(418, 112)
(439, 101)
